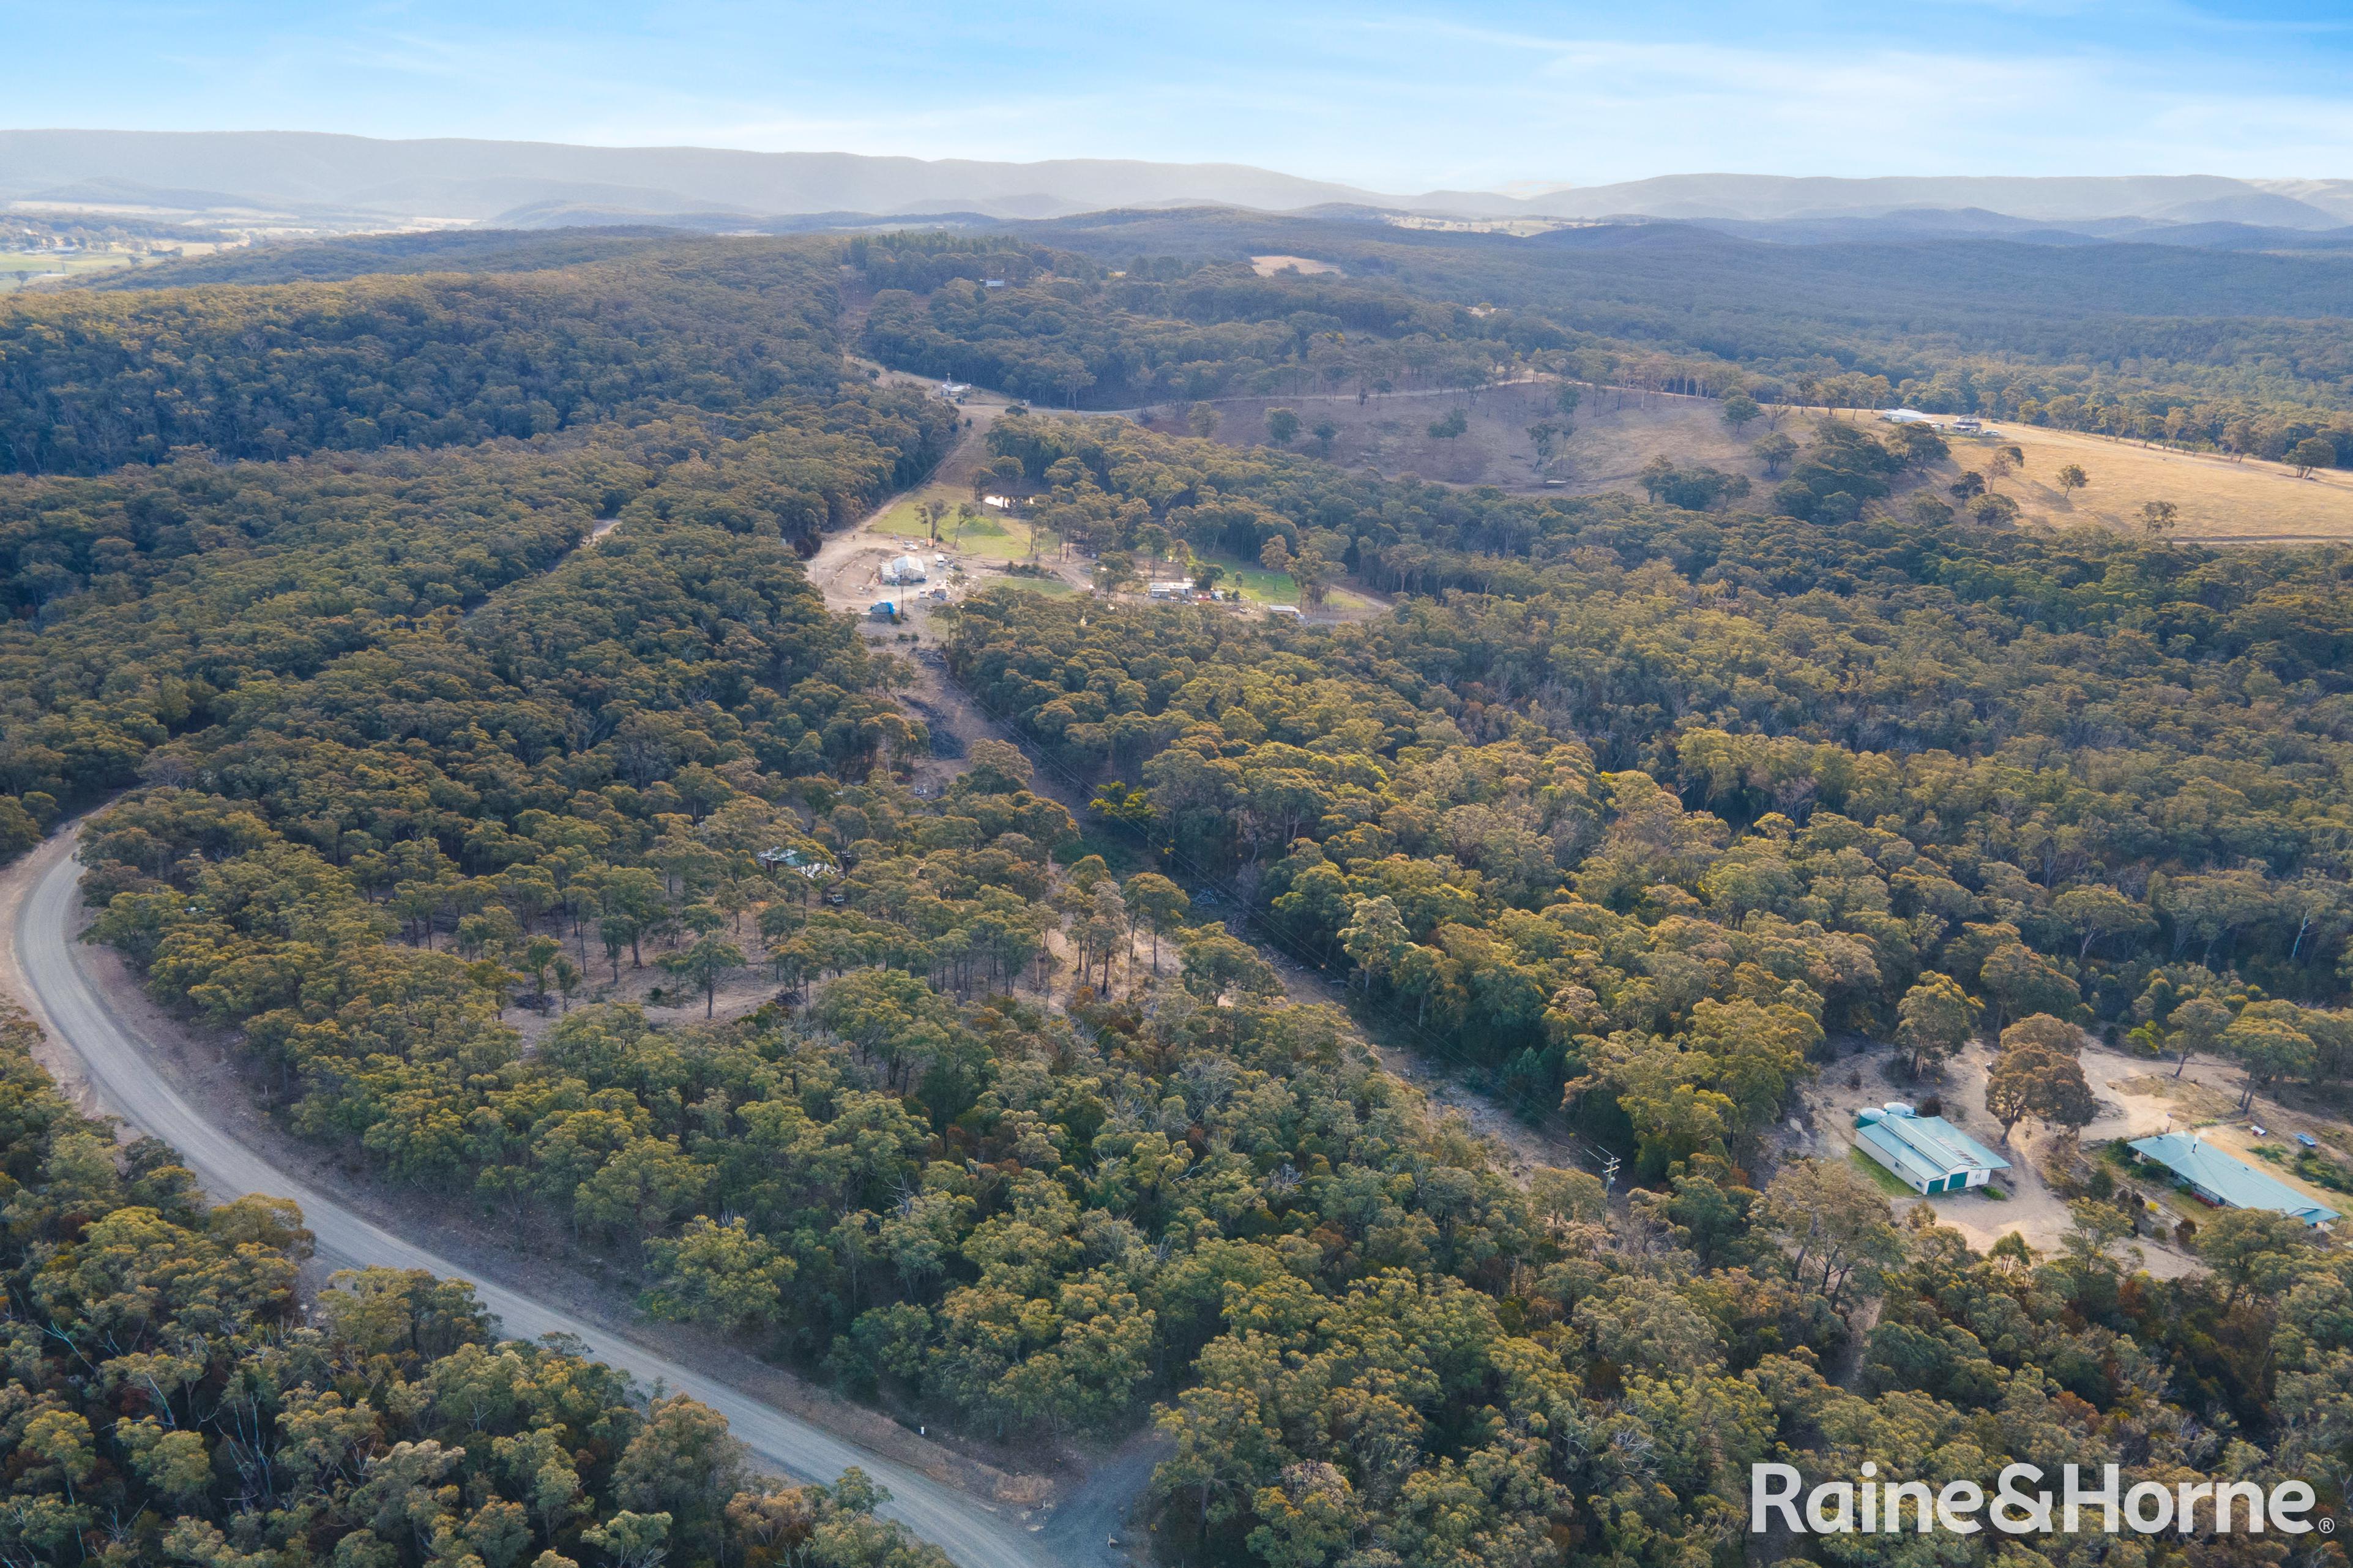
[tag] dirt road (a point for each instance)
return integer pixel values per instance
(2033, 1210)
(109, 1055)
(847, 570)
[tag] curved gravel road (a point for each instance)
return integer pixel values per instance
(114, 1059)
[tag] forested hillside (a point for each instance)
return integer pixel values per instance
(1061, 332)
(2214, 350)
(170, 1399)
(155, 603)
(88, 382)
(470, 251)
(1642, 765)
(1638, 809)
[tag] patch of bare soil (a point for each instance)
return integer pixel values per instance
(2185, 1100)
(1307, 265)
(1877, 1074)
(665, 998)
(2136, 1097)
(1614, 433)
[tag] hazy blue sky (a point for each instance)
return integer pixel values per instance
(1393, 96)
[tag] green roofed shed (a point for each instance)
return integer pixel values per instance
(2224, 1179)
(1927, 1153)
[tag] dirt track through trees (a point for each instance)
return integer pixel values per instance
(114, 1060)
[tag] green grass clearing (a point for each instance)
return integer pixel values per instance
(905, 517)
(1051, 588)
(17, 266)
(991, 536)
(1258, 584)
(1342, 598)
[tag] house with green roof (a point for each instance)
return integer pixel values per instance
(2221, 1178)
(1927, 1153)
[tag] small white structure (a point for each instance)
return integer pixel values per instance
(1290, 611)
(1177, 587)
(1908, 417)
(1002, 502)
(905, 569)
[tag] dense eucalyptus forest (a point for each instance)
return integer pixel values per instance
(1638, 814)
(171, 1399)
(2141, 341)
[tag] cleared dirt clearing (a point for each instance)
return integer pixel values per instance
(1267, 266)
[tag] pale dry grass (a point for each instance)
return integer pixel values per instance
(1619, 432)
(2220, 500)
(2225, 500)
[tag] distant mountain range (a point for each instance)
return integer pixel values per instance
(2067, 200)
(305, 179)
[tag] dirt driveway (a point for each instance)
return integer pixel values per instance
(2130, 1106)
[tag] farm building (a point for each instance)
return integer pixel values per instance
(2221, 1178)
(1175, 588)
(804, 862)
(1927, 1153)
(905, 569)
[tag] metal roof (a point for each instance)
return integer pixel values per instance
(2227, 1177)
(1929, 1148)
